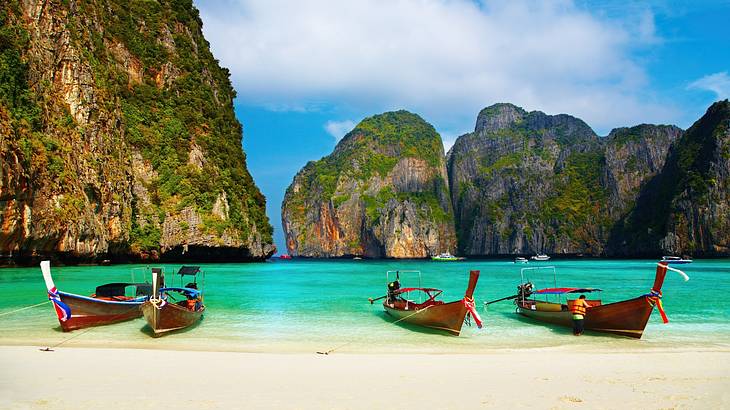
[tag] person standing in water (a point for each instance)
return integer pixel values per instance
(579, 308)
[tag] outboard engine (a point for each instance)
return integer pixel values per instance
(524, 291)
(392, 289)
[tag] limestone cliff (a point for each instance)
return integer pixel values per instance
(382, 193)
(685, 208)
(526, 182)
(118, 137)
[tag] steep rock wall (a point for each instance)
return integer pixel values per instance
(685, 208)
(118, 137)
(382, 193)
(526, 182)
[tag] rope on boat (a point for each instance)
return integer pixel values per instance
(27, 307)
(158, 303)
(352, 341)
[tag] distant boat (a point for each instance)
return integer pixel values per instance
(446, 257)
(520, 259)
(540, 257)
(357, 258)
(285, 256)
(676, 260)
(165, 313)
(111, 303)
(431, 313)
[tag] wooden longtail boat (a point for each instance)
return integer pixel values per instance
(112, 303)
(431, 313)
(625, 318)
(165, 313)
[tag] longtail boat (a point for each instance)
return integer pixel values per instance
(626, 318)
(174, 308)
(112, 303)
(431, 312)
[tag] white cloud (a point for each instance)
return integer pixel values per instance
(444, 59)
(338, 129)
(718, 83)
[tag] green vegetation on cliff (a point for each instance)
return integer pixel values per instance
(373, 148)
(86, 89)
(688, 179)
(320, 205)
(15, 94)
(194, 107)
(579, 198)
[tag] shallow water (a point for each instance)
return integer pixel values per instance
(310, 305)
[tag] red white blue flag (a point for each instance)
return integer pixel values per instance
(62, 310)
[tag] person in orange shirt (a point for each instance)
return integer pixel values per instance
(579, 309)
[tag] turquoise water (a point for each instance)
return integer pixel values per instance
(308, 306)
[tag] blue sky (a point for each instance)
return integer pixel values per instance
(307, 72)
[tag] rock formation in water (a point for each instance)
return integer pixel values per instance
(526, 182)
(382, 193)
(118, 137)
(685, 208)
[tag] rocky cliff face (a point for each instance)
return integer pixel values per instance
(118, 137)
(382, 193)
(530, 182)
(634, 156)
(685, 208)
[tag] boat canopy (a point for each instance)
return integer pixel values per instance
(193, 293)
(427, 290)
(562, 291)
(118, 289)
(432, 293)
(188, 270)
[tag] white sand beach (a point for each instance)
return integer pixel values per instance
(88, 378)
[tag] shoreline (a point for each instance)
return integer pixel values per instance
(59, 261)
(355, 348)
(91, 378)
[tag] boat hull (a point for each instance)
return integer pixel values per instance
(87, 311)
(448, 317)
(625, 318)
(169, 317)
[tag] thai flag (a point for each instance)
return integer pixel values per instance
(62, 309)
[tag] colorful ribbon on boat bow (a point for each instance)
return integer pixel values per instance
(655, 299)
(471, 307)
(62, 310)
